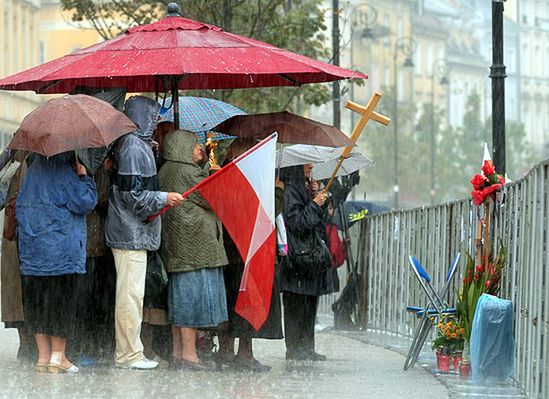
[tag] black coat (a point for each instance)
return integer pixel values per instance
(302, 215)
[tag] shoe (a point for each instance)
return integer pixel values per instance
(317, 357)
(223, 362)
(57, 369)
(194, 366)
(252, 365)
(142, 364)
(41, 368)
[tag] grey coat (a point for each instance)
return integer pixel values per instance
(134, 195)
(192, 236)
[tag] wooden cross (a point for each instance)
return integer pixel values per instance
(366, 113)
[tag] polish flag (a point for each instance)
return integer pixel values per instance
(242, 196)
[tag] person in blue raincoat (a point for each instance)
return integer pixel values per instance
(51, 214)
(133, 198)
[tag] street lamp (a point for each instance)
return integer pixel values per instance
(407, 47)
(440, 72)
(364, 22)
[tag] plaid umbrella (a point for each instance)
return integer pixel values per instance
(200, 115)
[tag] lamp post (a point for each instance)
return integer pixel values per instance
(497, 74)
(439, 71)
(336, 92)
(364, 23)
(407, 47)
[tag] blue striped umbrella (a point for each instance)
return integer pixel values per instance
(200, 115)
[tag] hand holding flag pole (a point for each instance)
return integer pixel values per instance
(366, 113)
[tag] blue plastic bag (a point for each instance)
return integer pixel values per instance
(492, 341)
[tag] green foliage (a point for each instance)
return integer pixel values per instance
(479, 279)
(297, 26)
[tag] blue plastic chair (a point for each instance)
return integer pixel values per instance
(436, 307)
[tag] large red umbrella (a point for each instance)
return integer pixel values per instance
(176, 51)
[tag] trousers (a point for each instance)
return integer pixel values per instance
(131, 270)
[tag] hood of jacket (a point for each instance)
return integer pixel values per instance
(292, 173)
(143, 111)
(179, 146)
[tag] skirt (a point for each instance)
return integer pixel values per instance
(49, 304)
(197, 299)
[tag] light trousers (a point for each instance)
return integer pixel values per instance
(131, 270)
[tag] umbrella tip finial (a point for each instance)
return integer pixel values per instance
(173, 10)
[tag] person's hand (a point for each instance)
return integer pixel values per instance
(108, 164)
(80, 169)
(214, 168)
(175, 199)
(279, 183)
(320, 199)
(315, 185)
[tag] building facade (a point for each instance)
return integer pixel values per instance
(19, 38)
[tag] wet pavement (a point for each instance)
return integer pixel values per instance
(458, 387)
(354, 370)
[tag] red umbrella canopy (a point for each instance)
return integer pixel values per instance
(69, 123)
(147, 58)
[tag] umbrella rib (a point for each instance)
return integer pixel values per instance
(48, 86)
(289, 79)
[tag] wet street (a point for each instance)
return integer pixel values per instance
(354, 370)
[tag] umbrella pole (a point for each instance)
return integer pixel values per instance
(175, 101)
(366, 113)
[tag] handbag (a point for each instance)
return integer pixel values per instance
(156, 281)
(309, 255)
(337, 248)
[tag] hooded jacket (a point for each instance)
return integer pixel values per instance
(51, 213)
(192, 236)
(134, 195)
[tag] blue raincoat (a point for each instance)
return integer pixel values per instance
(51, 213)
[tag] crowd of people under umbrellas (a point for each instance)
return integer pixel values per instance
(77, 255)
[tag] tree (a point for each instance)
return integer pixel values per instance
(378, 142)
(296, 25)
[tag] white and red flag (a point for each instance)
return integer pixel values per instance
(242, 196)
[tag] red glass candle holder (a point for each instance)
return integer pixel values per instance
(443, 362)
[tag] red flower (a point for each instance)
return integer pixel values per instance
(490, 189)
(487, 284)
(501, 179)
(480, 268)
(478, 181)
(478, 197)
(477, 276)
(488, 168)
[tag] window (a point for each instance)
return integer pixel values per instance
(430, 60)
(418, 59)
(387, 77)
(400, 28)
(387, 23)
(400, 85)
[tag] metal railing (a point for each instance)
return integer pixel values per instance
(434, 235)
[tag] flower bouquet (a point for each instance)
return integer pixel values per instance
(486, 183)
(449, 343)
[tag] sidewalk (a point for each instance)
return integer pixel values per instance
(354, 370)
(457, 387)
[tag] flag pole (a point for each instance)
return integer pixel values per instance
(368, 112)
